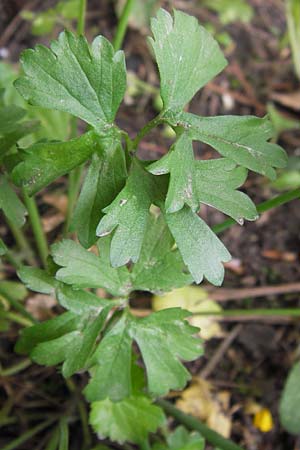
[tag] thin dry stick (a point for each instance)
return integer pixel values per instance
(15, 23)
(224, 294)
(222, 349)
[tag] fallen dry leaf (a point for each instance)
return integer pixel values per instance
(195, 300)
(40, 306)
(289, 100)
(200, 401)
(278, 255)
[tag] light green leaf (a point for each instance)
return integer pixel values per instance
(181, 439)
(111, 376)
(37, 280)
(82, 268)
(82, 302)
(244, 139)
(132, 419)
(88, 83)
(187, 57)
(201, 250)
(216, 182)
(160, 267)
(289, 404)
(12, 207)
(128, 215)
(104, 180)
(163, 338)
(44, 162)
(231, 11)
(180, 163)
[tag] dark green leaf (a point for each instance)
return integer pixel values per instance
(3, 248)
(82, 268)
(163, 338)
(44, 162)
(216, 183)
(201, 250)
(180, 163)
(46, 331)
(242, 139)
(187, 57)
(160, 267)
(104, 180)
(111, 376)
(128, 215)
(12, 207)
(88, 83)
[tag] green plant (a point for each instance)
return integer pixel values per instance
(140, 217)
(292, 8)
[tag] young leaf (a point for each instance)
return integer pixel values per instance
(187, 57)
(37, 280)
(289, 403)
(160, 267)
(104, 180)
(216, 183)
(132, 419)
(181, 439)
(180, 163)
(12, 207)
(82, 268)
(201, 250)
(112, 375)
(44, 162)
(163, 338)
(242, 139)
(129, 215)
(88, 83)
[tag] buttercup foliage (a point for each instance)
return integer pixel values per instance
(141, 217)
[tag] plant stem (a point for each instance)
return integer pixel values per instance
(37, 227)
(150, 125)
(75, 175)
(81, 17)
(262, 207)
(74, 186)
(14, 317)
(293, 22)
(22, 242)
(122, 25)
(15, 368)
(192, 423)
(28, 434)
(18, 306)
(12, 260)
(294, 312)
(87, 440)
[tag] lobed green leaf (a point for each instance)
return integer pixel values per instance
(88, 83)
